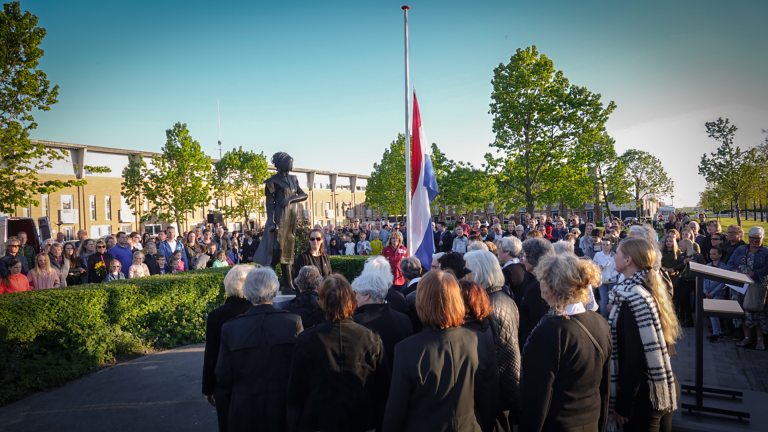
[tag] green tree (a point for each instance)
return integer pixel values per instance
(647, 176)
(240, 174)
(713, 198)
(132, 187)
(23, 88)
(731, 169)
(386, 187)
(178, 180)
(609, 179)
(540, 121)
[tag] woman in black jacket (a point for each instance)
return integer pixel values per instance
(236, 304)
(339, 377)
(644, 329)
(532, 306)
(504, 321)
(314, 255)
(306, 303)
(100, 256)
(444, 377)
(566, 371)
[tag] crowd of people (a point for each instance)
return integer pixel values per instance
(61, 263)
(553, 326)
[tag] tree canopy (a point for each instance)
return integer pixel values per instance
(646, 175)
(541, 123)
(386, 187)
(732, 170)
(240, 174)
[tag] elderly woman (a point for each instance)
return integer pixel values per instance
(567, 360)
(504, 320)
(255, 356)
(380, 266)
(339, 377)
(751, 260)
(59, 263)
(443, 377)
(306, 303)
(392, 326)
(315, 255)
(235, 304)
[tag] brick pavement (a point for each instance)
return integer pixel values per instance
(160, 392)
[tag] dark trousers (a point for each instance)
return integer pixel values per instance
(682, 298)
(592, 427)
(223, 399)
(646, 419)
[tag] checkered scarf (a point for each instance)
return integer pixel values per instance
(631, 293)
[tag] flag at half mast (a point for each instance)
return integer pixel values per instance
(423, 191)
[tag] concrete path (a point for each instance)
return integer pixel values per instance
(159, 392)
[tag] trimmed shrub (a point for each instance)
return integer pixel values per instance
(48, 337)
(51, 336)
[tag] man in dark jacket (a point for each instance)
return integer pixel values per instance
(532, 306)
(255, 357)
(445, 238)
(224, 242)
(392, 326)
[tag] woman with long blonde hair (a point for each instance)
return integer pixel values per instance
(43, 276)
(644, 328)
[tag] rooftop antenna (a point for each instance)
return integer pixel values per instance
(218, 110)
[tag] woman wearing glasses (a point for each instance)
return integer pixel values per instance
(751, 260)
(100, 256)
(314, 255)
(114, 271)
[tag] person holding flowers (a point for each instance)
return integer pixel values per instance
(97, 263)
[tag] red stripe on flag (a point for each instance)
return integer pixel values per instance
(416, 153)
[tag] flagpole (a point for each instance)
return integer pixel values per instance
(407, 137)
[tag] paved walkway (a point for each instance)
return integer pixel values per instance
(160, 392)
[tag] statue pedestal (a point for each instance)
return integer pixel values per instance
(282, 300)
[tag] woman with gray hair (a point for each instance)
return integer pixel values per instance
(306, 303)
(235, 304)
(380, 266)
(504, 319)
(515, 276)
(532, 306)
(751, 260)
(256, 348)
(370, 292)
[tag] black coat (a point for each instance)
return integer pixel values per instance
(254, 361)
(249, 250)
(306, 305)
(483, 329)
(566, 381)
(517, 280)
(232, 307)
(92, 260)
(339, 379)
(390, 325)
(447, 242)
(322, 262)
(532, 308)
(397, 300)
(443, 380)
(151, 262)
(504, 326)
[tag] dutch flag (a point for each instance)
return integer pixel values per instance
(423, 191)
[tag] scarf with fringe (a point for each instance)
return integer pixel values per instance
(631, 293)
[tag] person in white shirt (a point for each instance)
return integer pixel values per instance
(604, 259)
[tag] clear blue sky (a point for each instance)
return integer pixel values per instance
(324, 80)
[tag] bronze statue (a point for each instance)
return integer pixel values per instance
(282, 192)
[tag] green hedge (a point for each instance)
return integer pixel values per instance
(51, 336)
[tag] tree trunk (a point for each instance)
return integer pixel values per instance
(738, 214)
(762, 214)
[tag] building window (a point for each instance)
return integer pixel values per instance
(67, 202)
(26, 211)
(229, 202)
(108, 208)
(235, 226)
(146, 204)
(153, 229)
(92, 206)
(69, 233)
(126, 229)
(46, 207)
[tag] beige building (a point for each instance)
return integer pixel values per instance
(100, 209)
